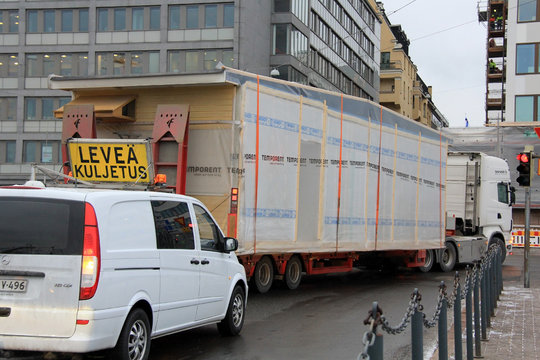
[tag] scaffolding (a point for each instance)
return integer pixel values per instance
(494, 14)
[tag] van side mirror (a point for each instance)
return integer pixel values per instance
(231, 244)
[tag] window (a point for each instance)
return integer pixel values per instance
(155, 18)
(7, 151)
(9, 65)
(180, 61)
(192, 17)
(126, 63)
(120, 19)
(67, 20)
(210, 16)
(56, 227)
(174, 17)
(44, 21)
(502, 193)
(173, 225)
(209, 233)
(128, 18)
(41, 65)
(42, 108)
(527, 108)
(281, 45)
(83, 20)
(8, 108)
(528, 10)
(44, 151)
(527, 58)
(32, 21)
(137, 19)
(103, 19)
(228, 15)
(9, 21)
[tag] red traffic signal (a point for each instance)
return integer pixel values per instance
(523, 157)
(524, 169)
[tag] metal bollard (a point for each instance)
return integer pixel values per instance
(417, 324)
(458, 346)
(443, 332)
(477, 344)
(492, 286)
(483, 307)
(468, 317)
(375, 351)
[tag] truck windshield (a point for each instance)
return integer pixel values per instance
(41, 226)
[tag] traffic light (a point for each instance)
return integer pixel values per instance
(524, 169)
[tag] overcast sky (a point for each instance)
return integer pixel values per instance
(448, 46)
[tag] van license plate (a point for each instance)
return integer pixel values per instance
(10, 285)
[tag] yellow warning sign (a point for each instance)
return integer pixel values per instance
(118, 162)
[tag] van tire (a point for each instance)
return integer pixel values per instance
(263, 277)
(293, 273)
(448, 258)
(233, 322)
(134, 340)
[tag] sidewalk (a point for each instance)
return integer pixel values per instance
(515, 329)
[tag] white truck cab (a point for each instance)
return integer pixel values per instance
(84, 270)
(479, 198)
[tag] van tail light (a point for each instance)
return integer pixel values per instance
(91, 255)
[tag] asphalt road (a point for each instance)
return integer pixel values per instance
(323, 318)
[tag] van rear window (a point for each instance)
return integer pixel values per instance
(41, 226)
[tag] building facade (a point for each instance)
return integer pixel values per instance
(402, 88)
(331, 44)
(523, 62)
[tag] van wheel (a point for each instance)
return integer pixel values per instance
(234, 320)
(448, 258)
(134, 340)
(293, 273)
(430, 259)
(264, 275)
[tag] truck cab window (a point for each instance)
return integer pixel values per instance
(173, 225)
(208, 231)
(502, 193)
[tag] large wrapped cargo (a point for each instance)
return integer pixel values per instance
(324, 172)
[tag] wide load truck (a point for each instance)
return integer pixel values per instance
(307, 180)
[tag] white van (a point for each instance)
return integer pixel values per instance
(84, 270)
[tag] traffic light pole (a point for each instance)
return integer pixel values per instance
(526, 283)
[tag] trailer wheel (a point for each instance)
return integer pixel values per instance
(448, 258)
(263, 275)
(293, 273)
(430, 260)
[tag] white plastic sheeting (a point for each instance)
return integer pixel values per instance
(388, 193)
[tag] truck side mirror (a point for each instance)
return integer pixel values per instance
(512, 195)
(231, 244)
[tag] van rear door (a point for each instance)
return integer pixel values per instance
(41, 243)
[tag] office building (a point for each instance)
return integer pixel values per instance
(330, 44)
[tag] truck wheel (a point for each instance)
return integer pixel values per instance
(293, 273)
(430, 259)
(264, 275)
(134, 340)
(500, 243)
(232, 324)
(448, 258)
